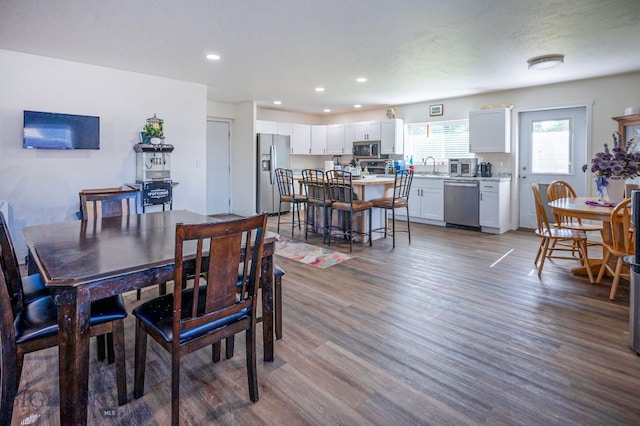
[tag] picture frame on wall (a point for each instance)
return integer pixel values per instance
(436, 110)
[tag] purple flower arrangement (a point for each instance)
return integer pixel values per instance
(620, 161)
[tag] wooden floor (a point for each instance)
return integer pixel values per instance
(456, 328)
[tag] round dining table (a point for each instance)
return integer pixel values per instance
(587, 208)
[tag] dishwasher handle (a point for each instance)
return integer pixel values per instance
(465, 184)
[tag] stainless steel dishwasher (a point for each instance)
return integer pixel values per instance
(462, 203)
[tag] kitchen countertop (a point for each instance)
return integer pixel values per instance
(447, 177)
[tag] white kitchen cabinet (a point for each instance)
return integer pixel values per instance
(426, 199)
(490, 130)
(319, 140)
(285, 129)
(263, 126)
(349, 137)
(494, 206)
(301, 139)
(367, 131)
(392, 136)
(335, 139)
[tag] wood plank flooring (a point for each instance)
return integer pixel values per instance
(435, 332)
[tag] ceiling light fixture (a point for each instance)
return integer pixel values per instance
(319, 89)
(277, 102)
(213, 57)
(327, 110)
(361, 80)
(357, 106)
(545, 62)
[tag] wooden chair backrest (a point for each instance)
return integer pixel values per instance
(284, 178)
(110, 204)
(222, 249)
(562, 189)
(621, 236)
(314, 184)
(8, 311)
(402, 184)
(10, 267)
(541, 214)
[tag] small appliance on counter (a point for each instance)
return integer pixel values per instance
(485, 169)
(467, 167)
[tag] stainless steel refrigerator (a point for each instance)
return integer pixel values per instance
(273, 153)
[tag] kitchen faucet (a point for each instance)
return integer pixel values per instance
(434, 163)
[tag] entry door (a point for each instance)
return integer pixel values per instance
(218, 167)
(553, 145)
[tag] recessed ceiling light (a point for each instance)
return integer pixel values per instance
(319, 89)
(357, 106)
(277, 102)
(327, 110)
(361, 79)
(545, 62)
(213, 57)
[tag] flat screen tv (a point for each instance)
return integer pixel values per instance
(48, 130)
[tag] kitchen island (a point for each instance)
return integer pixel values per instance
(366, 188)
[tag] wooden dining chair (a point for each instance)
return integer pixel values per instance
(551, 235)
(109, 203)
(562, 189)
(213, 309)
(399, 199)
(29, 323)
(622, 244)
(343, 199)
(315, 188)
(286, 188)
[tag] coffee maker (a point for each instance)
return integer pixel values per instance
(485, 169)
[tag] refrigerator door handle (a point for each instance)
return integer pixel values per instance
(272, 152)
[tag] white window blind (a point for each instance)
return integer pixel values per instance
(439, 139)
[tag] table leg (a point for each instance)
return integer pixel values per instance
(267, 307)
(73, 359)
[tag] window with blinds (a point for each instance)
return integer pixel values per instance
(439, 139)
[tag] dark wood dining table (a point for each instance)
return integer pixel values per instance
(83, 261)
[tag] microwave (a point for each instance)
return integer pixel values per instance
(463, 167)
(366, 149)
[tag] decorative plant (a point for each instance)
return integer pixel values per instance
(620, 161)
(153, 132)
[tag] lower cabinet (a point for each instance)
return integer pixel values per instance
(494, 206)
(426, 199)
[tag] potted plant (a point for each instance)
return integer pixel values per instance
(153, 130)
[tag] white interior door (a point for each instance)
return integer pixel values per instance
(553, 145)
(218, 167)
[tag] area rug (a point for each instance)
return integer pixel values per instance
(309, 255)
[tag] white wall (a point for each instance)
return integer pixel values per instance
(42, 186)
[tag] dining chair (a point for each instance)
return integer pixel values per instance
(551, 235)
(400, 198)
(622, 244)
(29, 323)
(562, 189)
(213, 308)
(343, 199)
(284, 178)
(109, 203)
(315, 187)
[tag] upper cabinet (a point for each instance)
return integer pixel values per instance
(490, 130)
(629, 127)
(285, 129)
(392, 136)
(263, 126)
(336, 139)
(318, 140)
(367, 131)
(301, 139)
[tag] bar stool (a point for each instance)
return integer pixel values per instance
(284, 178)
(343, 200)
(315, 188)
(401, 188)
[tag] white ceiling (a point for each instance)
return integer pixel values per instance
(410, 50)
